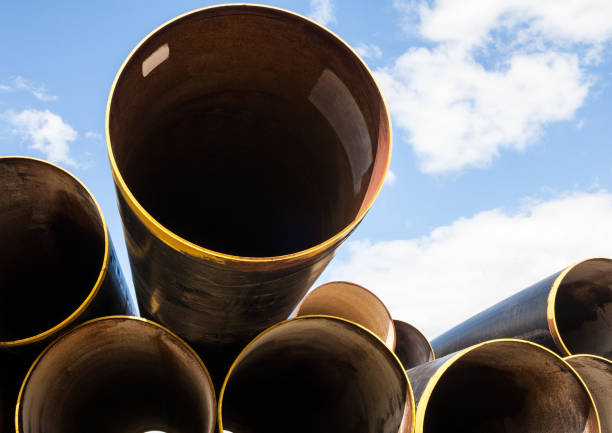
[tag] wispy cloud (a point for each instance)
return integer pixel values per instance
(391, 177)
(368, 51)
(38, 91)
(322, 11)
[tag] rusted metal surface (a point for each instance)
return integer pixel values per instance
(568, 312)
(411, 347)
(510, 386)
(246, 143)
(316, 374)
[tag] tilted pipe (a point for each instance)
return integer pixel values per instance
(596, 372)
(352, 302)
(58, 266)
(502, 386)
(411, 347)
(316, 374)
(117, 374)
(246, 143)
(568, 312)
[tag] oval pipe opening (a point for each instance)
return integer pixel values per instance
(117, 374)
(411, 347)
(53, 249)
(247, 131)
(316, 374)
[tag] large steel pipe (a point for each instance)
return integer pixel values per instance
(596, 372)
(316, 374)
(568, 312)
(246, 143)
(411, 347)
(502, 386)
(352, 302)
(117, 374)
(58, 266)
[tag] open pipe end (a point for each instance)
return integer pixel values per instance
(506, 386)
(411, 347)
(316, 374)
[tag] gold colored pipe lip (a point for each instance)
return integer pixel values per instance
(99, 319)
(96, 287)
(431, 384)
(183, 245)
(409, 396)
(550, 306)
(588, 355)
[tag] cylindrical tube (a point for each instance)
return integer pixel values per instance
(58, 265)
(596, 372)
(411, 347)
(352, 302)
(316, 374)
(511, 386)
(568, 312)
(117, 374)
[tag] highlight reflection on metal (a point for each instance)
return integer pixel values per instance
(58, 266)
(569, 312)
(352, 302)
(502, 385)
(237, 176)
(596, 372)
(411, 347)
(119, 374)
(316, 374)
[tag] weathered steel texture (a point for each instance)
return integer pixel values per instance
(246, 144)
(316, 374)
(411, 347)
(117, 374)
(568, 312)
(501, 386)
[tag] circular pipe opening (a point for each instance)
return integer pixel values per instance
(316, 374)
(54, 248)
(117, 374)
(248, 131)
(511, 387)
(583, 308)
(411, 347)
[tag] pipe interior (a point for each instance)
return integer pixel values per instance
(315, 375)
(509, 387)
(118, 375)
(248, 131)
(583, 308)
(411, 347)
(351, 302)
(52, 247)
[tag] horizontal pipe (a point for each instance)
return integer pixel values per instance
(510, 386)
(117, 374)
(411, 347)
(568, 312)
(316, 374)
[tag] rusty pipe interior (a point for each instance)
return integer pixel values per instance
(117, 374)
(53, 246)
(411, 347)
(507, 386)
(316, 374)
(248, 131)
(352, 302)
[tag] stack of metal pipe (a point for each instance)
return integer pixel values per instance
(246, 143)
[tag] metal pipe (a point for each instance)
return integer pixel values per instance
(411, 347)
(509, 386)
(316, 374)
(58, 266)
(246, 143)
(596, 372)
(117, 374)
(352, 302)
(568, 312)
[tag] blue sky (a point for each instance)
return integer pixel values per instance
(502, 118)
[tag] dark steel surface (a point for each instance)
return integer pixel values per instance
(411, 347)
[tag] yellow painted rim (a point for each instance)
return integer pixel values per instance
(180, 244)
(550, 306)
(99, 319)
(410, 394)
(588, 355)
(101, 276)
(433, 380)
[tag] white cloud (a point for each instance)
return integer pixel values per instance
(456, 271)
(45, 131)
(368, 51)
(39, 92)
(390, 178)
(492, 75)
(93, 135)
(322, 11)
(5, 88)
